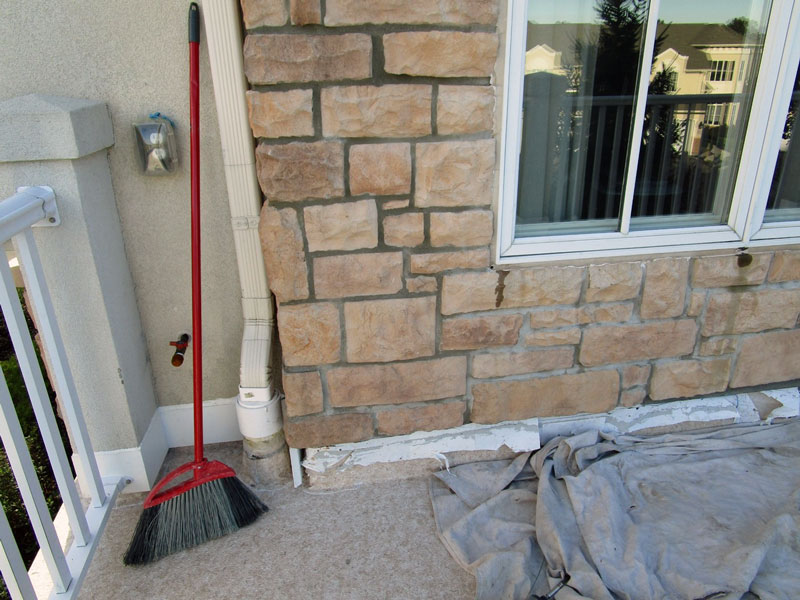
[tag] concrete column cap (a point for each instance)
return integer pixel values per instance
(38, 127)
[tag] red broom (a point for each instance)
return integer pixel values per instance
(212, 502)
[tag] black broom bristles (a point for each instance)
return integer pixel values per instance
(191, 518)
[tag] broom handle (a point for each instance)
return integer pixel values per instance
(194, 121)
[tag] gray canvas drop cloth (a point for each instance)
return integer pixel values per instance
(699, 515)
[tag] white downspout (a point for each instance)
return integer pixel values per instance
(258, 406)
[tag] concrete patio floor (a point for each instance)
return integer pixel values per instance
(373, 541)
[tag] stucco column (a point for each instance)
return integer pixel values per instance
(62, 143)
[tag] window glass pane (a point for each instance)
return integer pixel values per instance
(698, 101)
(784, 196)
(581, 66)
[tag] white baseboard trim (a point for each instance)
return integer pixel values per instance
(170, 427)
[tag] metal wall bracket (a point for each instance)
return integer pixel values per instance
(48, 196)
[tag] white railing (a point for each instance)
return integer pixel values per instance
(18, 213)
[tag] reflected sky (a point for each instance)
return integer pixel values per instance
(675, 11)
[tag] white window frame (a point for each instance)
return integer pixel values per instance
(744, 227)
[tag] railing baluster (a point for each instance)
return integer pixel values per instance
(37, 391)
(644, 182)
(596, 161)
(65, 386)
(678, 193)
(612, 179)
(666, 155)
(28, 483)
(15, 575)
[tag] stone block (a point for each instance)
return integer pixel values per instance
(417, 285)
(718, 346)
(376, 111)
(458, 173)
(664, 292)
(348, 275)
(342, 226)
(259, 13)
(387, 330)
(611, 344)
(303, 393)
(503, 364)
(468, 228)
(327, 430)
(689, 378)
(284, 257)
(406, 229)
(590, 392)
(615, 281)
(469, 292)
(589, 313)
(462, 109)
(280, 114)
(309, 333)
(785, 267)
(697, 301)
(635, 375)
(448, 12)
(437, 262)
(300, 170)
(633, 397)
(380, 169)
(440, 53)
(305, 12)
(281, 58)
(463, 333)
(396, 204)
(743, 312)
(400, 421)
(398, 383)
(724, 271)
(553, 338)
(768, 358)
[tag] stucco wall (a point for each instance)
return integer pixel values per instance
(134, 57)
(378, 159)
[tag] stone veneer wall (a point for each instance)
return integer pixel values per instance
(377, 158)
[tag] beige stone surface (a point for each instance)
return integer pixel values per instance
(553, 338)
(464, 333)
(416, 285)
(696, 302)
(303, 393)
(450, 12)
(440, 53)
(309, 333)
(396, 204)
(469, 292)
(588, 313)
(380, 169)
(739, 312)
(325, 430)
(610, 344)
(279, 58)
(348, 275)
(398, 383)
(406, 229)
(284, 257)
(689, 378)
(785, 267)
(635, 375)
(768, 358)
(257, 13)
(341, 226)
(468, 228)
(300, 170)
(305, 12)
(633, 397)
(724, 271)
(616, 281)
(400, 421)
(464, 109)
(718, 346)
(503, 364)
(387, 330)
(590, 392)
(280, 114)
(664, 291)
(458, 173)
(436, 262)
(376, 111)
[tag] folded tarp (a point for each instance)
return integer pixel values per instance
(711, 514)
